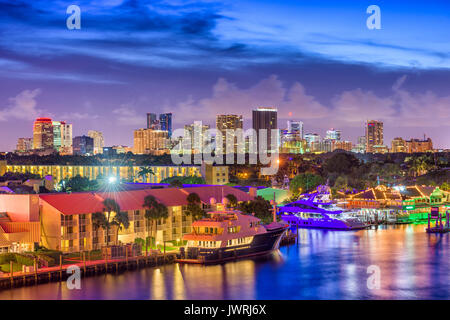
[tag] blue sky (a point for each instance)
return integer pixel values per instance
(316, 60)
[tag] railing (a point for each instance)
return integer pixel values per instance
(85, 234)
(84, 222)
(68, 223)
(69, 236)
(139, 229)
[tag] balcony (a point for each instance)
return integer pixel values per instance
(68, 223)
(139, 229)
(69, 236)
(85, 234)
(84, 222)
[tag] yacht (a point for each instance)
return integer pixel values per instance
(317, 210)
(229, 235)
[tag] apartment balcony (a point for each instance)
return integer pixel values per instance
(84, 222)
(68, 223)
(69, 236)
(139, 229)
(161, 226)
(69, 250)
(186, 223)
(85, 234)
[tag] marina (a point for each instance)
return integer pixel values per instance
(323, 264)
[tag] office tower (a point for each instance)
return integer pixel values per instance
(295, 127)
(333, 134)
(290, 142)
(57, 134)
(150, 141)
(265, 118)
(151, 120)
(24, 144)
(196, 132)
(374, 135)
(341, 145)
(43, 133)
(165, 121)
(99, 143)
(226, 122)
(313, 141)
(83, 145)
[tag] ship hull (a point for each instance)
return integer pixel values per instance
(262, 244)
(295, 223)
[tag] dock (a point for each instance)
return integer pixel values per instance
(87, 269)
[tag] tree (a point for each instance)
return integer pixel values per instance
(154, 211)
(445, 186)
(341, 183)
(144, 171)
(194, 207)
(106, 220)
(232, 200)
(259, 206)
(342, 163)
(175, 183)
(305, 182)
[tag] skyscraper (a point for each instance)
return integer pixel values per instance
(43, 133)
(196, 132)
(374, 135)
(265, 119)
(165, 121)
(151, 120)
(24, 144)
(150, 141)
(99, 143)
(333, 134)
(83, 145)
(226, 122)
(295, 127)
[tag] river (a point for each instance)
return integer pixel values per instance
(322, 265)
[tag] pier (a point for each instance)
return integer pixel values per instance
(87, 269)
(439, 226)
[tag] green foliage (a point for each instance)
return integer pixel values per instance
(232, 200)
(305, 182)
(7, 257)
(175, 181)
(259, 206)
(445, 186)
(341, 163)
(24, 260)
(79, 184)
(194, 207)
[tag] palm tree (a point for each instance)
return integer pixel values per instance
(194, 208)
(105, 219)
(155, 211)
(144, 171)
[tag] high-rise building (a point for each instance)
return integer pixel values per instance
(196, 132)
(66, 138)
(150, 141)
(165, 121)
(265, 119)
(313, 141)
(24, 145)
(374, 135)
(295, 127)
(99, 143)
(152, 120)
(226, 122)
(333, 134)
(43, 133)
(341, 145)
(83, 145)
(57, 134)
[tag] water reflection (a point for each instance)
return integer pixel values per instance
(322, 265)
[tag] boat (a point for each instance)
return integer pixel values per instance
(229, 235)
(318, 211)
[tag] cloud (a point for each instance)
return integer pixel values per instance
(127, 116)
(22, 106)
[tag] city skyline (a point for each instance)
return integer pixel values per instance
(201, 59)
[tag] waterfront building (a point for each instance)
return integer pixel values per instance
(83, 145)
(265, 119)
(374, 135)
(99, 142)
(128, 173)
(398, 145)
(24, 145)
(67, 223)
(165, 121)
(226, 122)
(43, 134)
(150, 141)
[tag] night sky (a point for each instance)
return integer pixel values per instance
(316, 61)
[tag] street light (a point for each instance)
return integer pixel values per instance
(112, 179)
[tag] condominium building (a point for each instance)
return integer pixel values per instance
(417, 145)
(374, 135)
(266, 119)
(43, 133)
(227, 124)
(151, 141)
(24, 145)
(99, 142)
(67, 221)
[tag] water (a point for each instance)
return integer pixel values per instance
(323, 265)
